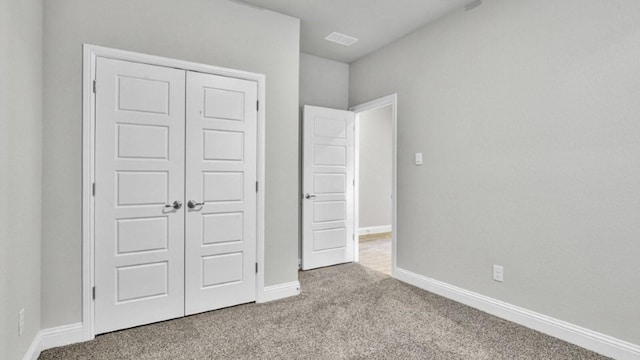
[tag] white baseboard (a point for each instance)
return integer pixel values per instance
(374, 230)
(62, 335)
(280, 291)
(588, 339)
(34, 350)
(54, 337)
(74, 333)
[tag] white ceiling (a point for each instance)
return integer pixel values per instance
(375, 23)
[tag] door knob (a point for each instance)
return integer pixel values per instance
(176, 205)
(309, 196)
(191, 204)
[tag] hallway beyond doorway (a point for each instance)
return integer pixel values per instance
(375, 252)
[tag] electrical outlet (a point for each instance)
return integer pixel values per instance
(498, 273)
(21, 322)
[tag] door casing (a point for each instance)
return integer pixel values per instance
(90, 53)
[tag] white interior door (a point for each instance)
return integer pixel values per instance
(328, 185)
(139, 234)
(221, 192)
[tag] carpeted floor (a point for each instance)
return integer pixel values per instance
(344, 312)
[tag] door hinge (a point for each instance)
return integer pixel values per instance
(256, 268)
(94, 86)
(353, 237)
(93, 292)
(256, 186)
(354, 182)
(93, 189)
(258, 105)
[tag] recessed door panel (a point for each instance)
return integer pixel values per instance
(139, 243)
(142, 187)
(223, 104)
(329, 155)
(156, 145)
(329, 239)
(329, 183)
(334, 128)
(324, 211)
(143, 95)
(221, 269)
(139, 282)
(221, 177)
(142, 234)
(223, 145)
(223, 186)
(222, 228)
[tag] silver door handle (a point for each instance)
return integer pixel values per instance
(309, 196)
(176, 205)
(191, 204)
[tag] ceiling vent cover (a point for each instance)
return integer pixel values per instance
(341, 39)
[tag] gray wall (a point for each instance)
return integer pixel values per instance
(20, 172)
(215, 32)
(323, 82)
(527, 115)
(376, 132)
(5, 329)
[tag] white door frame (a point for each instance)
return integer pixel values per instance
(391, 100)
(90, 53)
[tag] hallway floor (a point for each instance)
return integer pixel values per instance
(375, 252)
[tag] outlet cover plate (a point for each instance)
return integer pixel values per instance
(498, 273)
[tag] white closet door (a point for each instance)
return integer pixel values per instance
(139, 242)
(327, 184)
(221, 185)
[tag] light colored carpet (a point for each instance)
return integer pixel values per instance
(344, 312)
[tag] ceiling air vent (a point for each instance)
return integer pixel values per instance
(341, 39)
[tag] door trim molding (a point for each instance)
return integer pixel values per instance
(391, 100)
(90, 53)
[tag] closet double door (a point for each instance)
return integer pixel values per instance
(175, 193)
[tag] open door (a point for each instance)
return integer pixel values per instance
(328, 187)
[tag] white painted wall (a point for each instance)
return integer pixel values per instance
(20, 172)
(376, 132)
(323, 82)
(527, 115)
(216, 32)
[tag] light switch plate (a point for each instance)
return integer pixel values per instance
(419, 158)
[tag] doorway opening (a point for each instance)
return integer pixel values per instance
(374, 134)
(375, 184)
(330, 198)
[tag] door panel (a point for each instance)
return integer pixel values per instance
(220, 174)
(139, 243)
(328, 173)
